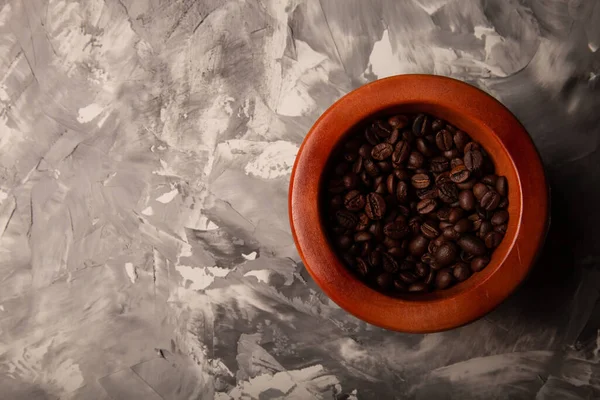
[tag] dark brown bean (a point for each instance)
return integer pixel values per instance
(439, 164)
(455, 214)
(444, 279)
(375, 258)
(357, 167)
(427, 193)
(479, 190)
(485, 228)
(365, 150)
(396, 230)
(385, 166)
(401, 152)
(490, 200)
(402, 192)
(415, 225)
(479, 263)
(388, 263)
(408, 277)
(492, 239)
(344, 242)
(421, 270)
(490, 180)
(385, 280)
(418, 287)
(461, 272)
(415, 160)
(426, 206)
(499, 217)
(370, 167)
(502, 185)
(444, 140)
(429, 230)
(448, 192)
(391, 183)
(421, 125)
(471, 146)
(446, 254)
(375, 206)
(346, 219)
(463, 225)
(451, 234)
(456, 161)
(381, 188)
(501, 228)
(420, 181)
(467, 185)
(472, 245)
(461, 139)
(402, 174)
(460, 174)
(418, 246)
(354, 200)
(430, 278)
(437, 125)
(382, 129)
(394, 137)
(398, 121)
(451, 154)
(362, 267)
(363, 222)
(382, 151)
(376, 230)
(466, 200)
(397, 252)
(473, 160)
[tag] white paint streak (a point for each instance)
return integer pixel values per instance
(250, 257)
(131, 272)
(87, 114)
(200, 277)
(381, 62)
(167, 197)
(275, 161)
(148, 211)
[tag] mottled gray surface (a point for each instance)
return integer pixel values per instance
(145, 155)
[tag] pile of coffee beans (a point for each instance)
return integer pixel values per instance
(412, 204)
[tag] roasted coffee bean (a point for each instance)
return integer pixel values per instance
(455, 215)
(479, 263)
(375, 206)
(365, 178)
(415, 160)
(427, 193)
(404, 210)
(398, 121)
(357, 167)
(391, 182)
(400, 286)
(370, 167)
(473, 160)
(442, 178)
(429, 230)
(466, 185)
(372, 137)
(456, 161)
(382, 151)
(444, 279)
(362, 267)
(499, 217)
(466, 200)
(463, 225)
(501, 228)
(482, 212)
(503, 203)
(376, 230)
(421, 270)
(448, 192)
(388, 263)
(401, 152)
(375, 258)
(439, 164)
(381, 189)
(490, 200)
(396, 230)
(363, 222)
(350, 181)
(341, 168)
(365, 150)
(421, 125)
(402, 192)
(385, 166)
(492, 239)
(418, 246)
(402, 174)
(420, 181)
(397, 252)
(346, 219)
(450, 234)
(461, 272)
(336, 186)
(415, 225)
(378, 181)
(345, 242)
(446, 254)
(485, 228)
(444, 140)
(336, 202)
(426, 206)
(479, 190)
(362, 236)
(451, 154)
(389, 243)
(443, 213)
(461, 139)
(354, 200)
(385, 280)
(472, 245)
(459, 174)
(490, 180)
(471, 146)
(418, 287)
(394, 137)
(408, 277)
(437, 125)
(502, 185)
(424, 147)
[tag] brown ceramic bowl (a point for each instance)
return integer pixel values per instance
(515, 156)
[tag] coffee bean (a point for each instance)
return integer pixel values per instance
(460, 174)
(479, 190)
(492, 239)
(381, 188)
(461, 139)
(444, 140)
(466, 200)
(422, 270)
(384, 166)
(365, 150)
(463, 225)
(418, 246)
(401, 152)
(448, 192)
(415, 225)
(341, 168)
(427, 193)
(398, 121)
(446, 254)
(451, 154)
(466, 185)
(400, 286)
(429, 230)
(473, 160)
(418, 287)
(482, 212)
(499, 217)
(362, 267)
(376, 230)
(430, 277)
(501, 228)
(375, 258)
(382, 151)
(444, 279)
(408, 277)
(350, 181)
(426, 206)
(375, 206)
(490, 200)
(437, 125)
(479, 263)
(490, 180)
(439, 164)
(363, 222)
(415, 160)
(370, 167)
(424, 147)
(354, 200)
(461, 272)
(382, 129)
(397, 252)
(450, 234)
(402, 192)
(346, 219)
(472, 245)
(388, 263)
(372, 137)
(396, 230)
(503, 203)
(485, 228)
(456, 161)
(394, 137)
(385, 280)
(455, 214)
(362, 236)
(421, 125)
(345, 242)
(471, 146)
(402, 174)
(502, 185)
(420, 181)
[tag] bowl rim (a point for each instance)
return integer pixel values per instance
(413, 315)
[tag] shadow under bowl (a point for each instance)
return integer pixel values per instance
(514, 155)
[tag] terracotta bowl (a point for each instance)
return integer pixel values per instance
(515, 156)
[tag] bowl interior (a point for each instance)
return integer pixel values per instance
(502, 162)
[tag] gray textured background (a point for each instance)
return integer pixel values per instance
(145, 155)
